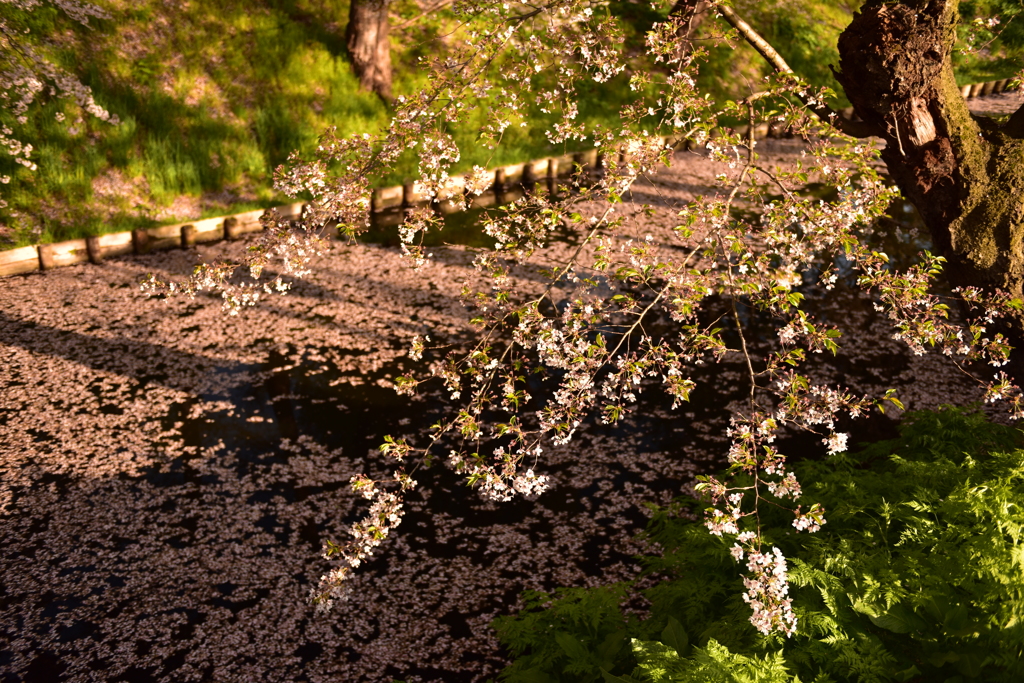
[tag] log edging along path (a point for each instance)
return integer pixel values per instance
(388, 201)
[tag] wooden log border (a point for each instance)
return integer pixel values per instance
(95, 249)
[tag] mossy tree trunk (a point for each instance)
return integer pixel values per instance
(369, 46)
(964, 173)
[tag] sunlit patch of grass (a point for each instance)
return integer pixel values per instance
(214, 95)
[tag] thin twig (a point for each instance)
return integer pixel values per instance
(857, 129)
(441, 5)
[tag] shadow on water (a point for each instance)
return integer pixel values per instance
(655, 450)
(290, 400)
(284, 399)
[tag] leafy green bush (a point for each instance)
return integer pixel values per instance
(917, 576)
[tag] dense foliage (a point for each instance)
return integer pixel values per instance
(918, 576)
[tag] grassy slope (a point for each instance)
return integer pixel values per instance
(214, 94)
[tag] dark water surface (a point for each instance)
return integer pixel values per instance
(194, 565)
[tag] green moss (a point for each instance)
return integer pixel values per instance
(989, 231)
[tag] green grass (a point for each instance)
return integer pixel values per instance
(213, 96)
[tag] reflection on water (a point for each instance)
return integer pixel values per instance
(461, 227)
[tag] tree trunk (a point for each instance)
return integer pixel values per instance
(369, 46)
(693, 13)
(965, 174)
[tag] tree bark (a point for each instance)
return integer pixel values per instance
(369, 46)
(965, 174)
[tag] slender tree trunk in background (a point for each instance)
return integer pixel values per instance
(693, 13)
(965, 174)
(369, 46)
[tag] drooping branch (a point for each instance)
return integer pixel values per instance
(857, 129)
(693, 13)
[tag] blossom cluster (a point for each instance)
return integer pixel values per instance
(979, 33)
(367, 534)
(293, 244)
(768, 593)
(500, 481)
